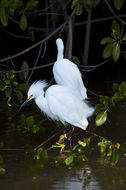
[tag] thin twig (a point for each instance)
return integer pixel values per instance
(47, 140)
(98, 20)
(38, 56)
(11, 149)
(92, 67)
(24, 70)
(103, 138)
(14, 35)
(87, 39)
(111, 10)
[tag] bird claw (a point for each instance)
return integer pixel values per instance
(58, 145)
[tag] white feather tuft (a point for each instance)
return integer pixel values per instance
(37, 88)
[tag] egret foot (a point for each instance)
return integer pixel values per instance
(60, 143)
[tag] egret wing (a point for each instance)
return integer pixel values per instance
(67, 73)
(66, 106)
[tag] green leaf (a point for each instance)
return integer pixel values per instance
(17, 4)
(22, 87)
(4, 3)
(107, 52)
(23, 22)
(99, 108)
(19, 95)
(7, 92)
(106, 40)
(115, 27)
(115, 87)
(82, 143)
(116, 52)
(24, 74)
(30, 121)
(3, 86)
(101, 118)
(69, 160)
(79, 9)
(8, 101)
(118, 4)
(41, 154)
(2, 170)
(122, 88)
(117, 97)
(35, 129)
(3, 17)
(106, 101)
(74, 3)
(30, 5)
(75, 60)
(114, 157)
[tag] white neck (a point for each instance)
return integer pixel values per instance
(41, 102)
(60, 48)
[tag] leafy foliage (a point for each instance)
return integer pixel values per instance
(23, 75)
(112, 43)
(29, 124)
(9, 86)
(9, 7)
(118, 4)
(110, 151)
(41, 154)
(106, 103)
(76, 156)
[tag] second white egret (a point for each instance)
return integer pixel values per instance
(67, 73)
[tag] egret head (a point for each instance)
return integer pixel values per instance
(35, 90)
(60, 45)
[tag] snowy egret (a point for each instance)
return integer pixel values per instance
(60, 103)
(67, 73)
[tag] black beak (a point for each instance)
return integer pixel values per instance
(27, 100)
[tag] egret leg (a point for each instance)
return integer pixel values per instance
(69, 133)
(63, 139)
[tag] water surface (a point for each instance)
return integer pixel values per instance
(23, 173)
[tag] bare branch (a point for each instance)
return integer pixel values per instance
(92, 67)
(99, 20)
(20, 71)
(38, 43)
(47, 140)
(115, 15)
(39, 53)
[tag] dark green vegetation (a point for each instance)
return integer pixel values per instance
(28, 33)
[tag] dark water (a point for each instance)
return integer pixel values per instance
(23, 173)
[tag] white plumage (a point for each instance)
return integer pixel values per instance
(66, 73)
(60, 103)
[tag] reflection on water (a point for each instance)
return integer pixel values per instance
(23, 173)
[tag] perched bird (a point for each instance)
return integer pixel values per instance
(66, 73)
(60, 103)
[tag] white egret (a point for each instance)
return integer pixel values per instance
(67, 73)
(60, 103)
